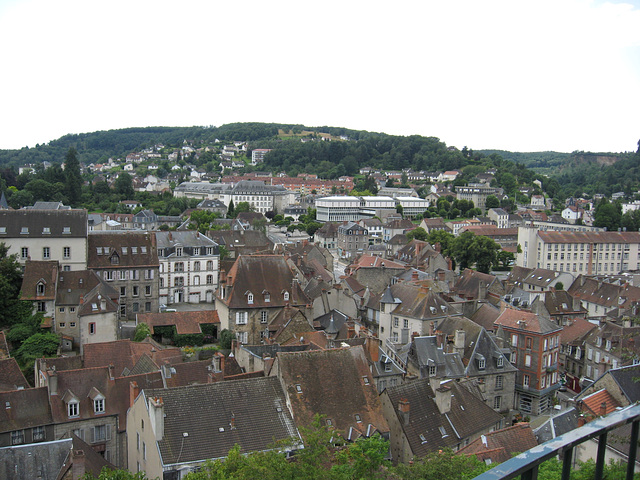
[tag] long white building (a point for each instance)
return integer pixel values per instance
(589, 253)
(347, 208)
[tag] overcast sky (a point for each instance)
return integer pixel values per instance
(512, 75)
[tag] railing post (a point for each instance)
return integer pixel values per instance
(633, 449)
(530, 474)
(567, 458)
(602, 449)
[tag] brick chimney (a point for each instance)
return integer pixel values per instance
(404, 408)
(442, 276)
(440, 339)
(134, 390)
(603, 409)
(432, 329)
(78, 467)
(443, 398)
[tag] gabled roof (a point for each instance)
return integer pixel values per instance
(251, 413)
(468, 285)
(35, 273)
(527, 321)
(260, 275)
(185, 322)
(500, 445)
(78, 384)
(486, 316)
(419, 302)
(557, 425)
(11, 377)
(336, 383)
(42, 460)
(599, 403)
(427, 429)
(577, 330)
(38, 221)
(560, 302)
(424, 353)
(124, 354)
(25, 408)
(603, 293)
(627, 380)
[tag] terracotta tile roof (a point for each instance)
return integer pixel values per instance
(577, 329)
(503, 444)
(551, 236)
(603, 293)
(36, 272)
(599, 403)
(373, 261)
(124, 354)
(112, 246)
(530, 322)
(264, 276)
(256, 408)
(336, 383)
(491, 231)
(79, 384)
(11, 377)
(28, 408)
(185, 322)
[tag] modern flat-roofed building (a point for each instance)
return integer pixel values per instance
(413, 206)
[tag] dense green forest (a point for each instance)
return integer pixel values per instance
(297, 149)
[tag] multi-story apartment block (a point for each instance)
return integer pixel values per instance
(535, 346)
(477, 193)
(589, 253)
(257, 155)
(128, 261)
(263, 198)
(189, 264)
(46, 235)
(352, 239)
(339, 209)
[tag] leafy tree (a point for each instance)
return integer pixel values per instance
(73, 177)
(492, 202)
(109, 474)
(608, 215)
(504, 260)
(142, 331)
(226, 337)
(36, 346)
(417, 233)
(124, 186)
(559, 286)
(10, 283)
(443, 464)
(362, 459)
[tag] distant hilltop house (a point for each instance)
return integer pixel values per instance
(257, 155)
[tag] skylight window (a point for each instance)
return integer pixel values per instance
(443, 432)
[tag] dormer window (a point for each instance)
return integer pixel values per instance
(143, 250)
(46, 231)
(125, 250)
(267, 296)
(73, 409)
(98, 405)
(178, 251)
(500, 361)
(134, 250)
(608, 345)
(250, 298)
(66, 230)
(481, 363)
(24, 231)
(358, 418)
(432, 370)
(115, 259)
(286, 296)
(40, 288)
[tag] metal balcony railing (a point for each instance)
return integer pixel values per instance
(526, 464)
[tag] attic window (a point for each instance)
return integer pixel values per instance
(267, 296)
(443, 432)
(432, 370)
(115, 260)
(500, 361)
(366, 380)
(3, 229)
(125, 250)
(443, 308)
(134, 250)
(99, 250)
(481, 363)
(250, 298)
(66, 230)
(46, 231)
(422, 438)
(72, 409)
(286, 296)
(358, 418)
(25, 230)
(433, 310)
(298, 388)
(40, 288)
(143, 249)
(329, 422)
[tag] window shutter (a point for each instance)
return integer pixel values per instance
(108, 432)
(93, 434)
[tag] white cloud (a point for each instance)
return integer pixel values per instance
(496, 74)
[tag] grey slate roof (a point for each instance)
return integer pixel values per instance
(424, 353)
(37, 460)
(557, 425)
(36, 221)
(258, 407)
(627, 379)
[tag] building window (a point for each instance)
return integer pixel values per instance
(46, 252)
(40, 289)
(243, 337)
(499, 382)
(210, 265)
(264, 316)
(100, 433)
(72, 324)
(196, 251)
(196, 266)
(178, 281)
(42, 307)
(178, 251)
(24, 252)
(108, 275)
(39, 434)
(481, 364)
(526, 380)
(123, 291)
(250, 298)
(286, 296)
(209, 279)
(396, 322)
(135, 307)
(66, 252)
(406, 323)
(147, 306)
(432, 370)
(72, 409)
(98, 405)
(500, 361)
(196, 280)
(62, 324)
(92, 328)
(514, 340)
(242, 318)
(528, 343)
(527, 360)
(178, 267)
(147, 290)
(497, 402)
(17, 437)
